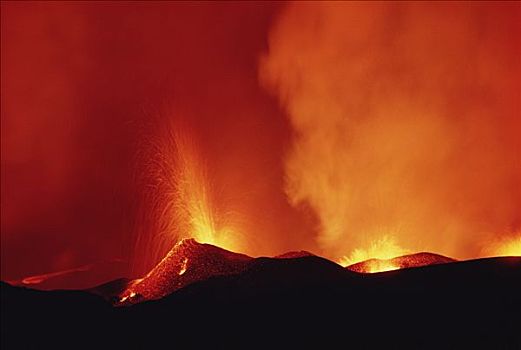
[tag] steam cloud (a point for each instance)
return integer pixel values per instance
(406, 121)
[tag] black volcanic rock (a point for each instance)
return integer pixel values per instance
(33, 319)
(111, 290)
(305, 302)
(310, 302)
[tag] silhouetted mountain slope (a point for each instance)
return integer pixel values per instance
(32, 319)
(306, 302)
(302, 301)
(111, 290)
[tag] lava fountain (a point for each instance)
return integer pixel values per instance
(179, 200)
(510, 246)
(380, 253)
(406, 126)
(189, 201)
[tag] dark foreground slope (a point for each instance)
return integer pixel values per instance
(305, 302)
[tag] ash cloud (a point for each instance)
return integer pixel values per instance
(406, 121)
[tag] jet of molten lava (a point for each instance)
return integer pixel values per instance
(192, 201)
(505, 247)
(380, 253)
(511, 248)
(180, 201)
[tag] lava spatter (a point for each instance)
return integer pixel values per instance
(401, 262)
(187, 262)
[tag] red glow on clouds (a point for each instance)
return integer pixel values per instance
(84, 85)
(87, 88)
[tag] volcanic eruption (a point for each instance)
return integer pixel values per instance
(403, 120)
(180, 202)
(224, 174)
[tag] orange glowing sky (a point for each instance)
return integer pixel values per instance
(321, 127)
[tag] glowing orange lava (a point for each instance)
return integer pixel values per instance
(192, 199)
(506, 247)
(181, 200)
(381, 266)
(379, 254)
(183, 267)
(40, 278)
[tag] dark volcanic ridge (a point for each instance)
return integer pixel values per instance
(189, 262)
(290, 303)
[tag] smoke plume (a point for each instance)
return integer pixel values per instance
(406, 121)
